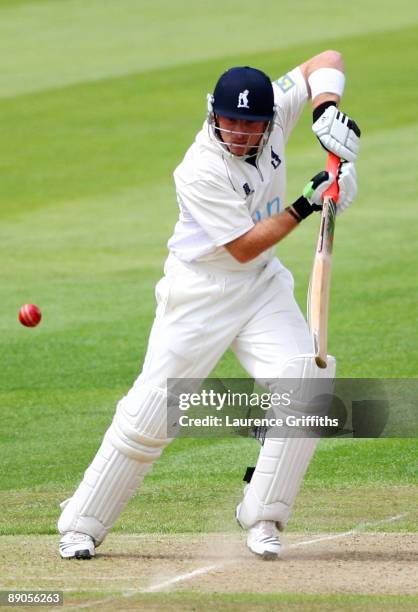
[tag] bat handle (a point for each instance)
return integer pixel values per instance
(333, 164)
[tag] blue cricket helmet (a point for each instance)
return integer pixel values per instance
(244, 93)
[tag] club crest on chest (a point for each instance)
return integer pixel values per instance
(275, 159)
(247, 190)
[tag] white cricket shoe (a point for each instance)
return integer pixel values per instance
(263, 540)
(75, 545)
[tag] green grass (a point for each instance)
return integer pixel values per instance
(96, 109)
(349, 482)
(265, 602)
(77, 41)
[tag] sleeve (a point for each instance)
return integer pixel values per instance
(290, 96)
(219, 211)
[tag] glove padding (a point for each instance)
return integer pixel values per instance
(347, 183)
(311, 199)
(338, 133)
(316, 187)
(313, 193)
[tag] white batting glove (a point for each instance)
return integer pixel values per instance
(338, 133)
(316, 187)
(347, 183)
(311, 199)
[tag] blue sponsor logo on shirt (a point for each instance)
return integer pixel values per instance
(271, 208)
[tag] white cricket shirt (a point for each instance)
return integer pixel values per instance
(221, 197)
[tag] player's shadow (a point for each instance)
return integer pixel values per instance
(363, 555)
(310, 556)
(160, 556)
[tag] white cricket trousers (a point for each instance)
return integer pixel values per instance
(201, 311)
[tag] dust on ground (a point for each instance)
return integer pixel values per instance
(125, 565)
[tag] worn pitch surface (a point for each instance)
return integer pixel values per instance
(126, 566)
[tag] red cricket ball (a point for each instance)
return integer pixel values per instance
(30, 315)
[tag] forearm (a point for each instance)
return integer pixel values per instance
(327, 59)
(268, 232)
(325, 97)
(262, 236)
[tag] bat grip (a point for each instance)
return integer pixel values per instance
(333, 163)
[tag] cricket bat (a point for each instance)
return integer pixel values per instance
(320, 282)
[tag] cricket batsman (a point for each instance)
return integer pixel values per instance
(223, 287)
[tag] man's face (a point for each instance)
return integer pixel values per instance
(240, 135)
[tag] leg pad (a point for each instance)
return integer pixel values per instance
(132, 443)
(282, 462)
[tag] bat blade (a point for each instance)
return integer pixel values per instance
(320, 282)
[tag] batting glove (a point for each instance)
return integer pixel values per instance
(347, 183)
(336, 132)
(311, 199)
